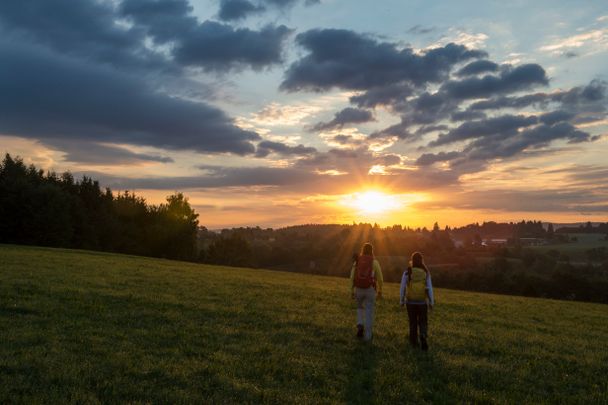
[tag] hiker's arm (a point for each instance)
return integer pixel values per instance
(379, 278)
(403, 287)
(429, 290)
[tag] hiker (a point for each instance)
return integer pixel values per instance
(365, 280)
(417, 295)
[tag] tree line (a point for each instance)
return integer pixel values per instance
(50, 209)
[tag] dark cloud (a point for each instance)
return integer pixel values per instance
(210, 45)
(346, 116)
(213, 177)
(400, 131)
(430, 158)
(219, 176)
(554, 117)
(492, 147)
(388, 160)
(429, 108)
(45, 95)
(477, 67)
(467, 115)
(265, 148)
(98, 154)
(504, 125)
(349, 60)
(216, 46)
(589, 97)
(389, 95)
(163, 20)
(517, 102)
(237, 9)
(84, 28)
(510, 80)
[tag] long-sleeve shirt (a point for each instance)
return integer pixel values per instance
(377, 276)
(429, 288)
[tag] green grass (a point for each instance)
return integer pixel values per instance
(91, 327)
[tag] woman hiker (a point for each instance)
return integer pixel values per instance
(365, 280)
(417, 295)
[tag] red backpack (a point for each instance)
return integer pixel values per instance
(364, 273)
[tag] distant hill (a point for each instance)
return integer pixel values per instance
(557, 225)
(91, 327)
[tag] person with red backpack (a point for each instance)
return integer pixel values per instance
(417, 295)
(365, 280)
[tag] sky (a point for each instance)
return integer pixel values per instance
(281, 112)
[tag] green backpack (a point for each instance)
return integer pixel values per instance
(416, 284)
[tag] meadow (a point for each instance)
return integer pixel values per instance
(89, 327)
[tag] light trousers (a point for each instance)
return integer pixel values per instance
(366, 302)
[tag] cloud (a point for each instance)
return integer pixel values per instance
(400, 131)
(503, 125)
(240, 9)
(297, 179)
(477, 67)
(46, 95)
(594, 40)
(492, 147)
(501, 138)
(591, 98)
(563, 199)
(348, 115)
(215, 46)
(420, 30)
(510, 80)
(467, 115)
(265, 148)
(366, 63)
(554, 117)
(237, 9)
(211, 45)
(430, 158)
(85, 29)
(100, 154)
(388, 95)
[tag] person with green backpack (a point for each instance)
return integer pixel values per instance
(365, 282)
(417, 295)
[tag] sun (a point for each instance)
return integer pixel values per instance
(372, 202)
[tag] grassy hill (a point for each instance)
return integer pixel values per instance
(93, 327)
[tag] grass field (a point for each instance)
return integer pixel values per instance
(92, 327)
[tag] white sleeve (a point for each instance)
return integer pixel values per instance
(403, 287)
(429, 286)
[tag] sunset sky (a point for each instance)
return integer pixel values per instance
(283, 112)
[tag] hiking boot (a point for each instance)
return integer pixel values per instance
(423, 345)
(359, 331)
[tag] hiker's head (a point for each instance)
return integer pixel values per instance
(367, 250)
(417, 260)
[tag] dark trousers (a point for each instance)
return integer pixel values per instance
(417, 314)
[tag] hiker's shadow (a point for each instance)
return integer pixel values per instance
(362, 374)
